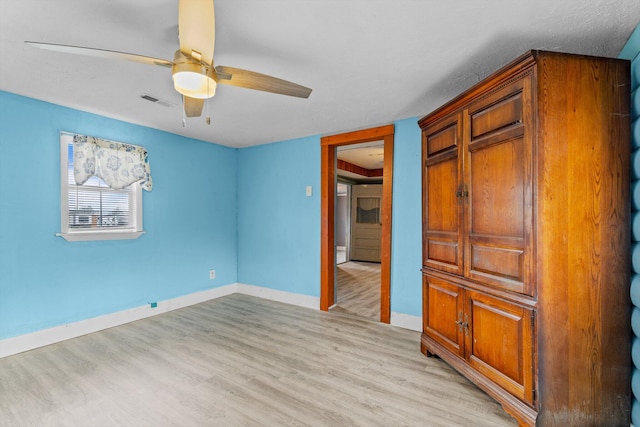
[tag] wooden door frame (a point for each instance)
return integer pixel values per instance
(328, 145)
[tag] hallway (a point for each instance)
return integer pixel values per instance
(358, 289)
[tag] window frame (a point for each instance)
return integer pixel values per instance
(72, 235)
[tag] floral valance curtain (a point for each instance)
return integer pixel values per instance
(117, 164)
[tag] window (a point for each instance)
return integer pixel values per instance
(368, 210)
(94, 211)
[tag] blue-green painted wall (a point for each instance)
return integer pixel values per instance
(189, 219)
(278, 225)
(406, 230)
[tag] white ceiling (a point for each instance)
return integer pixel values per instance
(369, 62)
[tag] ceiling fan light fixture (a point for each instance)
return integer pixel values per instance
(193, 79)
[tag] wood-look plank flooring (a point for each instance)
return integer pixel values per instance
(241, 361)
(358, 289)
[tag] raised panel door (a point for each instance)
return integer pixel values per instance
(498, 172)
(443, 315)
(499, 342)
(442, 204)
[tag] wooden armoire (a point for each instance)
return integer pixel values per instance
(526, 236)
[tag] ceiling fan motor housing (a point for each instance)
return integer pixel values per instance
(193, 78)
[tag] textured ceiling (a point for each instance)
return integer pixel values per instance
(369, 62)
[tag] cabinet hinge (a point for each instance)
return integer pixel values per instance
(533, 320)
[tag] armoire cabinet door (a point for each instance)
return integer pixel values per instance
(442, 201)
(498, 172)
(500, 343)
(443, 315)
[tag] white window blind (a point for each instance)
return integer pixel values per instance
(95, 205)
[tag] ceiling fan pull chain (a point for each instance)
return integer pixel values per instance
(208, 119)
(184, 113)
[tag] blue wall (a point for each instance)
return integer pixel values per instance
(189, 219)
(406, 238)
(631, 51)
(279, 227)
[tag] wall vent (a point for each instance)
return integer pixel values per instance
(153, 99)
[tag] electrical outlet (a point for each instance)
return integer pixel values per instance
(212, 274)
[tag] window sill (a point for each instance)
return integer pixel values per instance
(85, 236)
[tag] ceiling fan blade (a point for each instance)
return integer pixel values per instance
(101, 53)
(193, 106)
(257, 81)
(196, 29)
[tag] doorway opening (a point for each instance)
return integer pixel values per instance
(371, 212)
(343, 222)
(358, 229)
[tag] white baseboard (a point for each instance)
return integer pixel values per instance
(56, 334)
(280, 296)
(21, 343)
(406, 321)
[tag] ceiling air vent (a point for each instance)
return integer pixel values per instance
(152, 98)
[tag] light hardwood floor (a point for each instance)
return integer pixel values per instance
(358, 289)
(241, 361)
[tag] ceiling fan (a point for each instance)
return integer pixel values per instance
(194, 74)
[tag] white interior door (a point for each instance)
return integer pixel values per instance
(366, 223)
